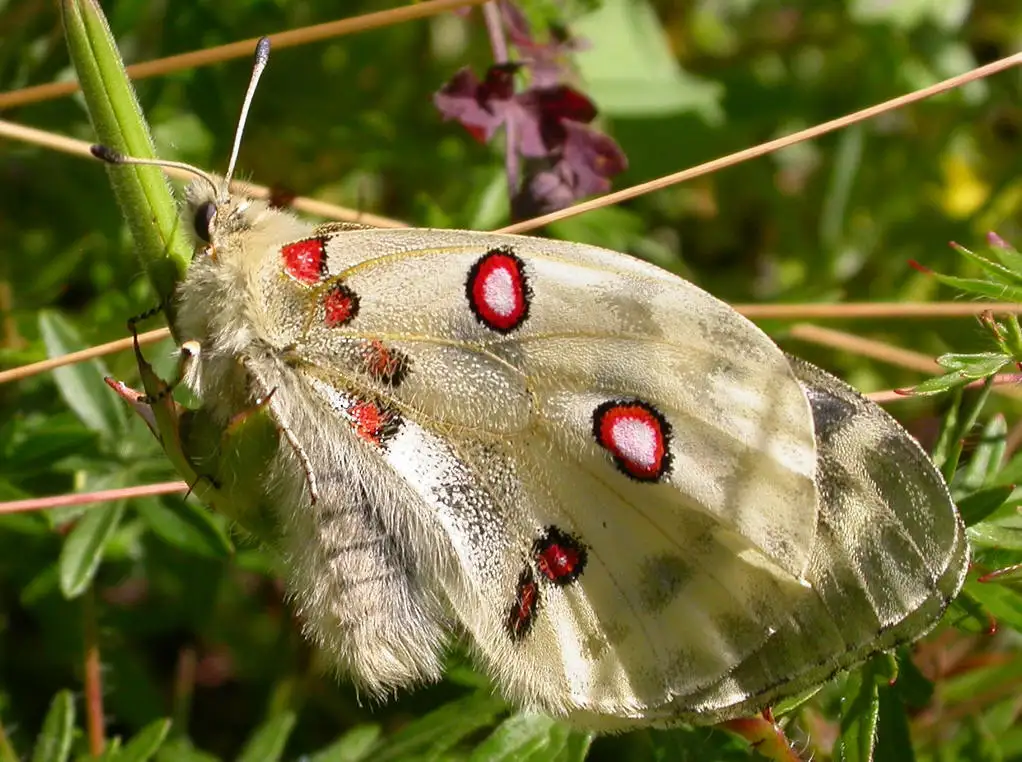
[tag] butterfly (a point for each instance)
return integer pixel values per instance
(634, 506)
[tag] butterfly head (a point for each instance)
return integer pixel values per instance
(216, 215)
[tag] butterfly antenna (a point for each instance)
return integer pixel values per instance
(110, 156)
(262, 55)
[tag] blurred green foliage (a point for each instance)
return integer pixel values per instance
(193, 631)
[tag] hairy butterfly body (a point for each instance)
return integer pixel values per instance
(633, 503)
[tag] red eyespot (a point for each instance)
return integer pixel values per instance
(305, 261)
(385, 364)
(560, 557)
(637, 435)
(498, 291)
(340, 306)
(372, 421)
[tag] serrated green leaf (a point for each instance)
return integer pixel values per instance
(430, 736)
(7, 753)
(1002, 601)
(180, 749)
(1006, 254)
(354, 746)
(111, 750)
(998, 291)
(81, 384)
(859, 710)
(83, 547)
(577, 747)
(968, 614)
(187, 526)
(268, 742)
(995, 536)
(526, 736)
(977, 364)
(894, 741)
(145, 743)
(142, 192)
(939, 384)
(997, 271)
(54, 741)
(980, 504)
(987, 456)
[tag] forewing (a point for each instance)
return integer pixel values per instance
(476, 334)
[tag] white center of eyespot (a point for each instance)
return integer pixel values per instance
(499, 292)
(635, 441)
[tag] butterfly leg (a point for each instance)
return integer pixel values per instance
(265, 399)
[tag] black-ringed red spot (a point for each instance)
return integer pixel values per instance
(305, 261)
(638, 437)
(340, 305)
(559, 556)
(498, 290)
(372, 421)
(523, 610)
(385, 364)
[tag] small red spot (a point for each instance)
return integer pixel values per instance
(636, 435)
(523, 610)
(560, 557)
(498, 291)
(372, 422)
(305, 261)
(919, 267)
(340, 305)
(385, 364)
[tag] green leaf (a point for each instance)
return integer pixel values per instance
(577, 748)
(980, 504)
(180, 749)
(976, 365)
(529, 736)
(859, 709)
(986, 458)
(354, 746)
(145, 743)
(986, 288)
(997, 271)
(83, 548)
(142, 192)
(894, 741)
(54, 741)
(268, 741)
(81, 384)
(1003, 602)
(995, 536)
(1007, 254)
(964, 368)
(187, 526)
(630, 69)
(430, 736)
(940, 384)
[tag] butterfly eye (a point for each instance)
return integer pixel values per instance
(203, 222)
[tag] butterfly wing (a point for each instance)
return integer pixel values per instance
(616, 470)
(492, 333)
(890, 553)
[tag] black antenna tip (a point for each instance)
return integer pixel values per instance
(107, 154)
(262, 52)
